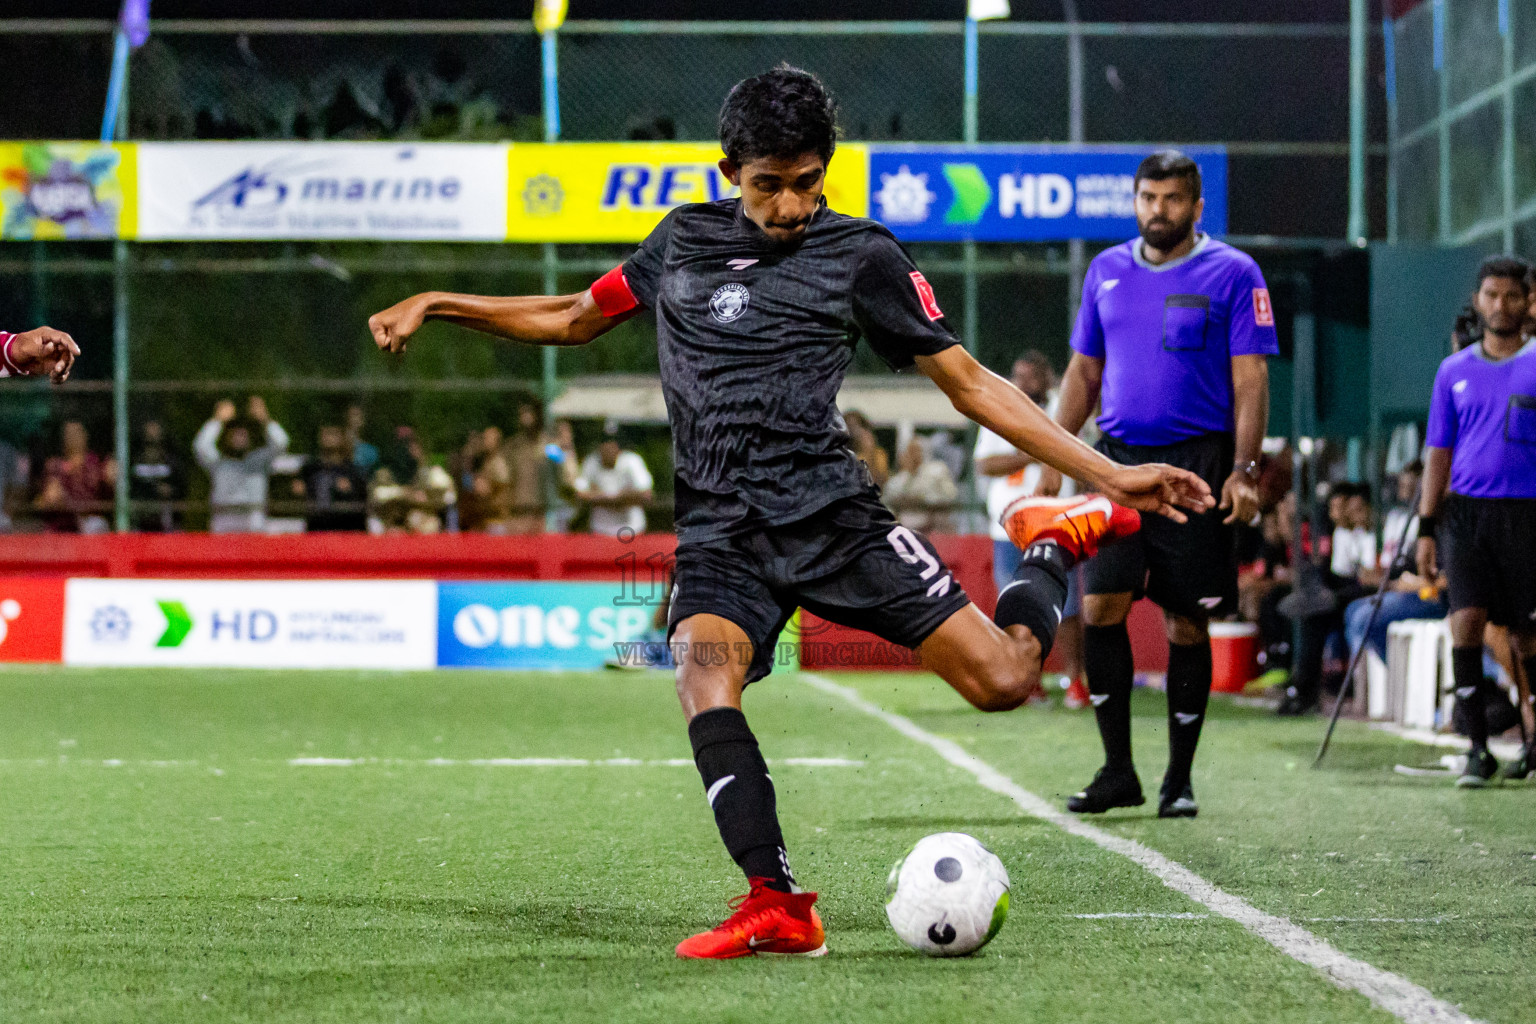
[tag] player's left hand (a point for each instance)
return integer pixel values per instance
(1241, 496)
(45, 350)
(1160, 488)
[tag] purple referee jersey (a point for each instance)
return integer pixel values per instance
(1485, 409)
(1167, 335)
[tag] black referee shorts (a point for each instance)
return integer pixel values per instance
(851, 563)
(1488, 556)
(1188, 568)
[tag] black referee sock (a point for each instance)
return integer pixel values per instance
(1037, 594)
(1111, 673)
(1467, 673)
(1189, 690)
(740, 792)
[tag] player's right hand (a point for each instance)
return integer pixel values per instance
(1426, 559)
(393, 327)
(1049, 484)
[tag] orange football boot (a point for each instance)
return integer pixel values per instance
(1078, 524)
(765, 921)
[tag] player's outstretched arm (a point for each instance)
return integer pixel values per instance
(40, 350)
(981, 395)
(532, 319)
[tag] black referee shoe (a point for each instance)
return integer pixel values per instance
(1111, 787)
(1521, 767)
(1481, 771)
(1180, 804)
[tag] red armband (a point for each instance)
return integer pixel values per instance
(611, 293)
(6, 339)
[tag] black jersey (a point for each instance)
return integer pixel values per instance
(754, 341)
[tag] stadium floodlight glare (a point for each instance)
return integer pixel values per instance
(987, 10)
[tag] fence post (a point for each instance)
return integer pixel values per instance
(1356, 231)
(968, 249)
(550, 382)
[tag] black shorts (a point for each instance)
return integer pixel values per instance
(851, 563)
(1188, 568)
(1488, 556)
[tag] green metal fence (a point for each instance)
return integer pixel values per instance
(1462, 124)
(198, 321)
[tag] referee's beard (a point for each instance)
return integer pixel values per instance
(1165, 235)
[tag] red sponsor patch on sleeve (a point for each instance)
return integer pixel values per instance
(1263, 312)
(925, 295)
(611, 293)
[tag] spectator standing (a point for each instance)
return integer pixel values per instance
(77, 484)
(861, 438)
(1173, 334)
(565, 464)
(332, 485)
(616, 485)
(237, 467)
(364, 455)
(157, 482)
(491, 483)
(922, 491)
(408, 494)
(526, 464)
(1480, 492)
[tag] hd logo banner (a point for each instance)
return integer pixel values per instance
(1021, 193)
(245, 624)
(619, 191)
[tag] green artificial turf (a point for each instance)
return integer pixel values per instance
(163, 859)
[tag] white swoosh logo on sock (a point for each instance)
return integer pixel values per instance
(720, 784)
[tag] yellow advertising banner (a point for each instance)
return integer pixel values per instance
(619, 191)
(67, 190)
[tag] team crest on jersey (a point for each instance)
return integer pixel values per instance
(729, 302)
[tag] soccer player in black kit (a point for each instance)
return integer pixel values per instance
(759, 302)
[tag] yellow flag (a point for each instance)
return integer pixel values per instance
(548, 14)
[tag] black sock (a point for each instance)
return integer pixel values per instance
(1111, 673)
(1189, 689)
(1037, 594)
(740, 792)
(1467, 673)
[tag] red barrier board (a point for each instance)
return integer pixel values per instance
(31, 619)
(26, 558)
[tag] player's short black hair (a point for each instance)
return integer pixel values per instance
(1511, 267)
(1170, 163)
(780, 113)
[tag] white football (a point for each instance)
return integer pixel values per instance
(948, 896)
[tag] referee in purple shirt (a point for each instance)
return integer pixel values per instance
(1172, 335)
(1482, 450)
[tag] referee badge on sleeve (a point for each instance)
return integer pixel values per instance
(1263, 312)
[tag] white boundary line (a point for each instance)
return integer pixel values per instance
(1396, 995)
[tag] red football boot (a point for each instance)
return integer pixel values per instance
(766, 921)
(1078, 524)
(1077, 696)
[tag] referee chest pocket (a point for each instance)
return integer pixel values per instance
(1520, 420)
(1184, 319)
